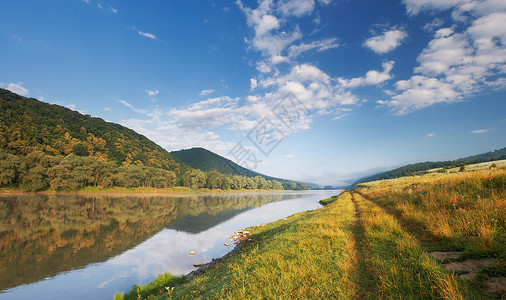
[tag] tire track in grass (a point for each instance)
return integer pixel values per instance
(427, 239)
(402, 268)
(363, 274)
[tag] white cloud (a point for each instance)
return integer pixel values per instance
(419, 92)
(479, 131)
(269, 39)
(146, 34)
(430, 135)
(455, 65)
(415, 6)
(386, 42)
(296, 8)
(206, 92)
(16, 88)
(372, 77)
(253, 83)
(152, 93)
(113, 10)
(322, 45)
(125, 103)
(435, 24)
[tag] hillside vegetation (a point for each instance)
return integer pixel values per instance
(438, 236)
(44, 146)
(207, 161)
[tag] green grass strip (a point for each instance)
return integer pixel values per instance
(309, 255)
(403, 270)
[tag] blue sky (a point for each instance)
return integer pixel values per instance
(317, 90)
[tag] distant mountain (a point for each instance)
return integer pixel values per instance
(413, 169)
(207, 161)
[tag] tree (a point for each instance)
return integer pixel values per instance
(213, 180)
(129, 176)
(276, 185)
(10, 169)
(35, 178)
(197, 179)
(80, 150)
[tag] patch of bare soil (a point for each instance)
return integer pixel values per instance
(496, 285)
(469, 267)
(442, 256)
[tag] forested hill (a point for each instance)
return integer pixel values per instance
(413, 169)
(28, 125)
(207, 161)
(50, 147)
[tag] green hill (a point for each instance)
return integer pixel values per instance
(417, 168)
(28, 125)
(207, 161)
(47, 146)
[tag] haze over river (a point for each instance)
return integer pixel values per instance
(74, 246)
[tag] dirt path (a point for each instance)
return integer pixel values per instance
(363, 276)
(452, 261)
(416, 230)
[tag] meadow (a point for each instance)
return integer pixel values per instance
(436, 236)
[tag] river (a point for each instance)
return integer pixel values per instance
(74, 246)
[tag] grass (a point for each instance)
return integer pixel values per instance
(465, 211)
(310, 255)
(401, 267)
(163, 284)
(368, 244)
(328, 201)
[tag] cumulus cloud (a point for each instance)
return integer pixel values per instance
(386, 42)
(15, 88)
(206, 92)
(479, 131)
(152, 93)
(455, 65)
(372, 77)
(147, 34)
(296, 50)
(296, 8)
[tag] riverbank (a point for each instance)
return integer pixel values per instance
(142, 190)
(418, 237)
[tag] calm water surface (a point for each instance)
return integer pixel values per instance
(69, 246)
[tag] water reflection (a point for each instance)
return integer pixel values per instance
(44, 235)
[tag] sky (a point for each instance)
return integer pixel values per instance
(324, 91)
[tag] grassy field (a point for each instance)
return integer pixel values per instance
(438, 236)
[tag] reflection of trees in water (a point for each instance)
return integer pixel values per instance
(42, 235)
